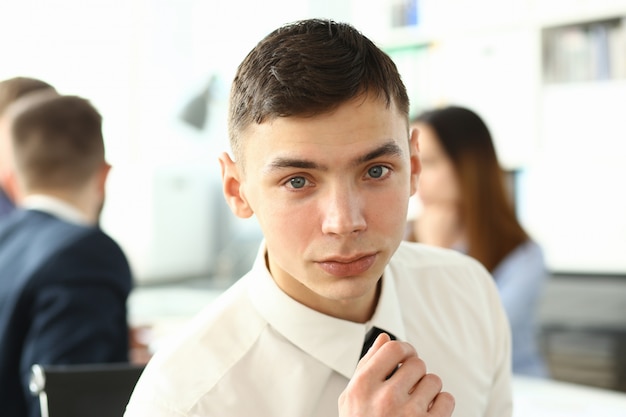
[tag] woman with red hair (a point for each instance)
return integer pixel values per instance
(465, 205)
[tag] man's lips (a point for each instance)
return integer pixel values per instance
(348, 267)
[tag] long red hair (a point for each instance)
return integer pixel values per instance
(492, 229)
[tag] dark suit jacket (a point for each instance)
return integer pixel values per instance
(63, 293)
(6, 205)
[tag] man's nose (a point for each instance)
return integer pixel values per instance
(343, 212)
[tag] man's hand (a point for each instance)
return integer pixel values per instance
(391, 381)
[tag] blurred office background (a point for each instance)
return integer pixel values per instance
(548, 76)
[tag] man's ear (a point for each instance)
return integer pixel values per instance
(232, 188)
(102, 176)
(416, 165)
(12, 187)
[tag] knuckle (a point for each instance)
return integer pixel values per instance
(433, 380)
(399, 349)
(446, 401)
(447, 397)
(442, 405)
(416, 363)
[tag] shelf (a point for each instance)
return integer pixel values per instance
(553, 13)
(585, 51)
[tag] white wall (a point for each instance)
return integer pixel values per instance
(573, 198)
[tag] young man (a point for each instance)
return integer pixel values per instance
(324, 159)
(63, 282)
(11, 90)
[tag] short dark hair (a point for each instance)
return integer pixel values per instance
(12, 89)
(306, 68)
(57, 142)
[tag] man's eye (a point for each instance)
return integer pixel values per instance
(377, 171)
(297, 182)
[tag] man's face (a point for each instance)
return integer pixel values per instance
(330, 193)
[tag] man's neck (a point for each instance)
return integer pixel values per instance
(68, 207)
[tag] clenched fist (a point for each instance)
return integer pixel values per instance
(391, 381)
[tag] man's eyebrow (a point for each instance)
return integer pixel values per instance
(281, 162)
(389, 148)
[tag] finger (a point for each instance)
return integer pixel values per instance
(386, 359)
(426, 391)
(378, 343)
(408, 374)
(362, 376)
(443, 405)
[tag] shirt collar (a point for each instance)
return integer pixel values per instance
(55, 207)
(335, 342)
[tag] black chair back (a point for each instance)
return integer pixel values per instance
(95, 390)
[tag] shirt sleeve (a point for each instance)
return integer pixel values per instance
(501, 395)
(520, 278)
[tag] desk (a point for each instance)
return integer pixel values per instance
(546, 398)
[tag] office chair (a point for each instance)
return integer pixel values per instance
(94, 390)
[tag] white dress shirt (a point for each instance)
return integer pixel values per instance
(257, 352)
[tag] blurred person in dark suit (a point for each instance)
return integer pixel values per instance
(6, 205)
(11, 90)
(63, 282)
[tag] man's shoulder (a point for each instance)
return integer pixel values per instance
(6, 205)
(229, 318)
(420, 256)
(420, 266)
(44, 242)
(70, 239)
(40, 225)
(34, 236)
(215, 340)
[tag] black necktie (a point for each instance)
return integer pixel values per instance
(371, 336)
